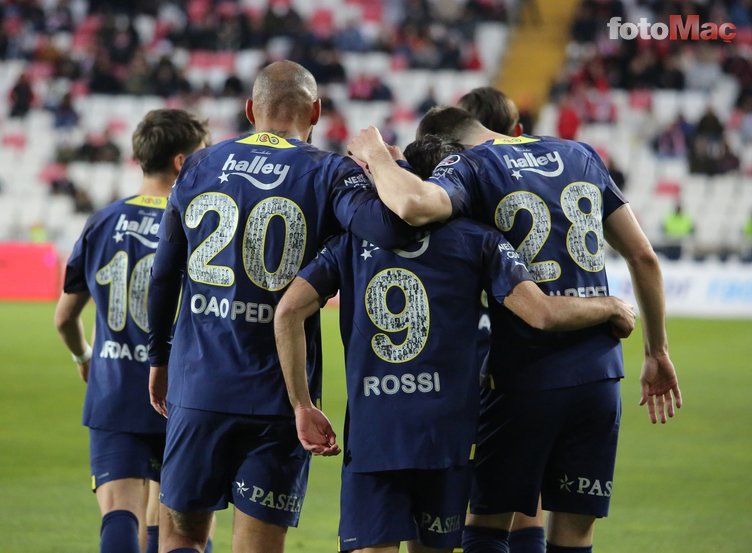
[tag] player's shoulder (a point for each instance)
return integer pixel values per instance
(470, 229)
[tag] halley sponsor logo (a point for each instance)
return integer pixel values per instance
(259, 167)
(529, 162)
(142, 230)
(678, 28)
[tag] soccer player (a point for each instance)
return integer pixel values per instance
(556, 402)
(244, 216)
(493, 109)
(110, 263)
(498, 113)
(412, 396)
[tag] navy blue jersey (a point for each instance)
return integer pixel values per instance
(549, 197)
(111, 260)
(409, 323)
(244, 216)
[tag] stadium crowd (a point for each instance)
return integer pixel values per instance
(597, 64)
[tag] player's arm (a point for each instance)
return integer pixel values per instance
(164, 292)
(561, 313)
(659, 382)
(71, 328)
(509, 282)
(415, 201)
(300, 301)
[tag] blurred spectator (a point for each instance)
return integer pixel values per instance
(21, 96)
(677, 226)
(281, 19)
(167, 80)
(747, 239)
(233, 87)
(65, 115)
(569, 120)
(98, 148)
(103, 79)
(138, 79)
(337, 132)
(703, 69)
(709, 153)
(586, 25)
(616, 174)
(427, 103)
(350, 38)
(369, 88)
(673, 140)
(82, 202)
(388, 132)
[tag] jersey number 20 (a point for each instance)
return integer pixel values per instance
(200, 268)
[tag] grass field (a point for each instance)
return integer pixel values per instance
(683, 487)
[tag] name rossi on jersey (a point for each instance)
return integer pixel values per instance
(406, 383)
(224, 308)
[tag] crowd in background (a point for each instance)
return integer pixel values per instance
(597, 64)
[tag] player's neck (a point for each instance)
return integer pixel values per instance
(157, 185)
(485, 135)
(284, 130)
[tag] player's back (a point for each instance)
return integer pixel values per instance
(549, 197)
(113, 258)
(409, 324)
(254, 211)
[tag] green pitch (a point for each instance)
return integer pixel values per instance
(683, 487)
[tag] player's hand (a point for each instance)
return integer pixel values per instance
(623, 318)
(315, 431)
(366, 143)
(83, 370)
(660, 387)
(395, 152)
(158, 389)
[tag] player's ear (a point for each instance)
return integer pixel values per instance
(518, 129)
(316, 112)
(177, 162)
(249, 112)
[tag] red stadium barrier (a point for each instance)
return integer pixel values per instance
(29, 271)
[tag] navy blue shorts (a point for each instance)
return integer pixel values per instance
(114, 455)
(257, 463)
(401, 505)
(560, 443)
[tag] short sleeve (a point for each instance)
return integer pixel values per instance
(75, 268)
(457, 174)
(613, 198)
(503, 267)
(171, 227)
(358, 209)
(323, 271)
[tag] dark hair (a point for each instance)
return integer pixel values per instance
(164, 133)
(426, 153)
(492, 108)
(449, 123)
